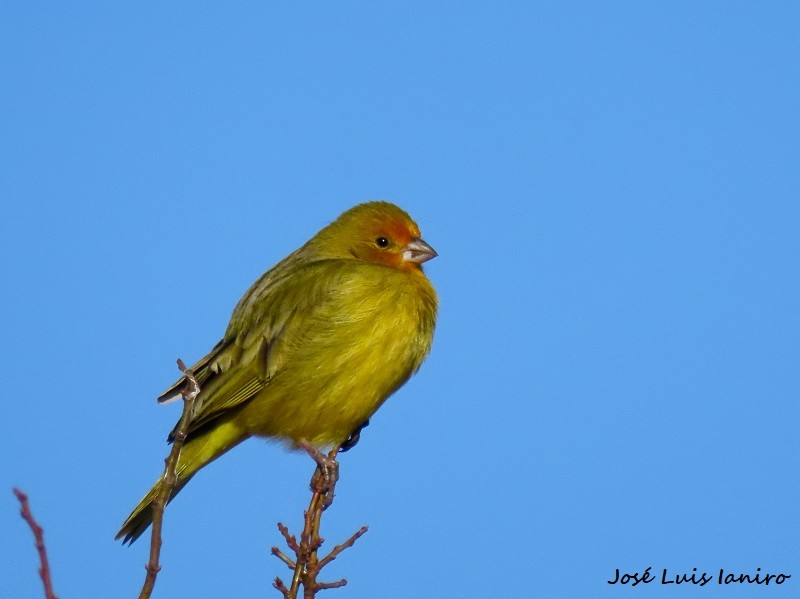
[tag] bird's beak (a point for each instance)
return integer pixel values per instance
(418, 251)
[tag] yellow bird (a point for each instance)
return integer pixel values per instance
(315, 346)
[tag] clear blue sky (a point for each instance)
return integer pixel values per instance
(614, 192)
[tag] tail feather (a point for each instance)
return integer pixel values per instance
(142, 516)
(196, 453)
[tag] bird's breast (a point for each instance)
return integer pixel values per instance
(356, 347)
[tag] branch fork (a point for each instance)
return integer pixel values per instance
(306, 564)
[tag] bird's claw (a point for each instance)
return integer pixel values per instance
(327, 473)
(354, 437)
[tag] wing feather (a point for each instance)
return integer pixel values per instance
(252, 351)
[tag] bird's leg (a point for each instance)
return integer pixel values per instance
(327, 473)
(354, 437)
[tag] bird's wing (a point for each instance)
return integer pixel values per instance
(252, 352)
(244, 316)
(200, 370)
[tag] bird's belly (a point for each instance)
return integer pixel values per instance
(325, 392)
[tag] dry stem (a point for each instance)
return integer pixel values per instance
(307, 564)
(38, 535)
(169, 480)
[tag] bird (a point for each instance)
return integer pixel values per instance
(314, 347)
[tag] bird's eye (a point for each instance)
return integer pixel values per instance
(382, 242)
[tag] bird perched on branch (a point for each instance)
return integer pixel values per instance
(315, 346)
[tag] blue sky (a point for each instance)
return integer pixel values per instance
(613, 191)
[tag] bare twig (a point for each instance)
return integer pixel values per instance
(189, 393)
(339, 548)
(321, 586)
(278, 584)
(283, 557)
(290, 540)
(307, 565)
(38, 535)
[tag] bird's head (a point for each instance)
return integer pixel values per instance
(375, 232)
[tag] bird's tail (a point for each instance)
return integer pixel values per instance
(195, 453)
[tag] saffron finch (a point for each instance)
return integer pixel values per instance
(315, 346)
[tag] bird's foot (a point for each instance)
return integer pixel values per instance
(327, 473)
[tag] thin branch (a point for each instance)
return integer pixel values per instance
(38, 535)
(283, 557)
(290, 540)
(307, 564)
(278, 584)
(189, 393)
(339, 548)
(330, 585)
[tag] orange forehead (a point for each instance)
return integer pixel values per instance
(401, 231)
